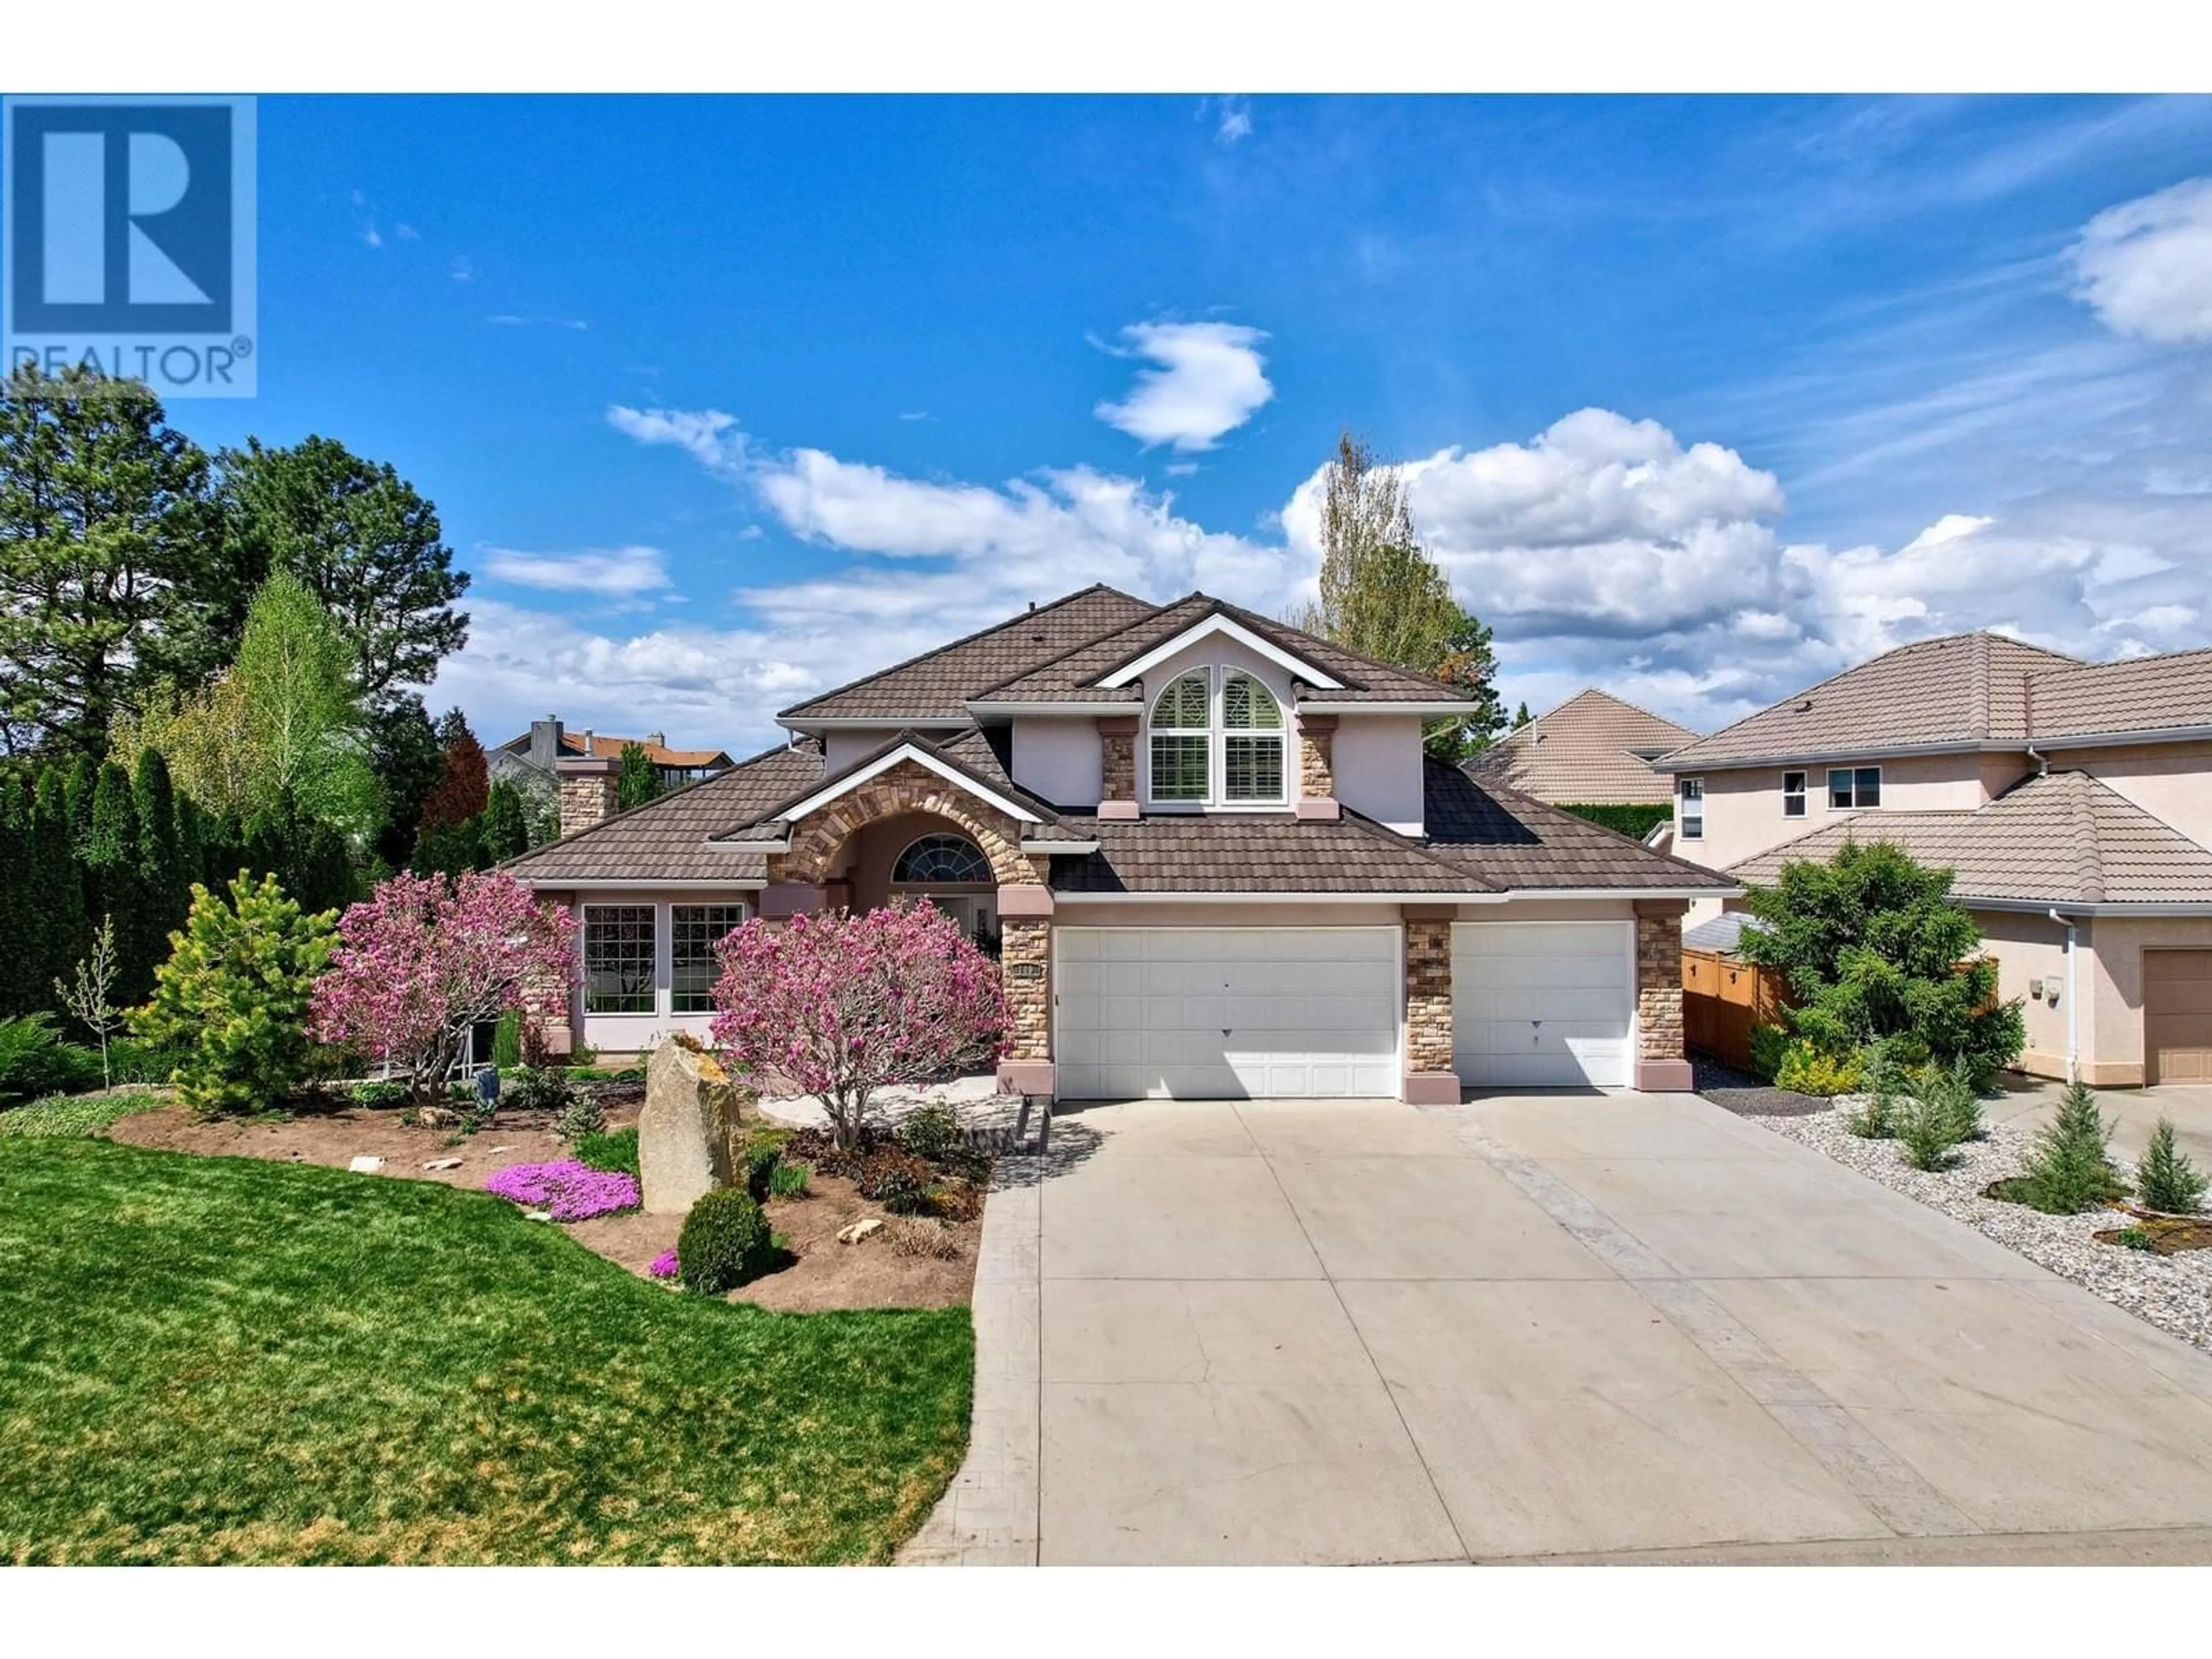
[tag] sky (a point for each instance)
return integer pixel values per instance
(725, 401)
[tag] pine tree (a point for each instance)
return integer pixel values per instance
(2070, 1170)
(2165, 1178)
(503, 829)
(1521, 716)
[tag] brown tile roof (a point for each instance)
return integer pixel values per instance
(1269, 853)
(971, 755)
(937, 685)
(2136, 694)
(1964, 690)
(2059, 838)
(1582, 753)
(665, 840)
(1073, 676)
(606, 745)
(1519, 843)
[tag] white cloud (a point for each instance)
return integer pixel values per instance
(619, 572)
(461, 268)
(1235, 122)
(1212, 378)
(510, 320)
(2146, 265)
(709, 436)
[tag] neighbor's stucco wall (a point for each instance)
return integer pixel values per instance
(1743, 808)
(1378, 768)
(1059, 759)
(2034, 947)
(638, 1033)
(2170, 780)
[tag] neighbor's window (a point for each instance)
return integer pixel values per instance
(618, 959)
(1181, 739)
(1854, 789)
(1691, 794)
(694, 931)
(1793, 794)
(1252, 746)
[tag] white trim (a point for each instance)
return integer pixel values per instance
(1031, 848)
(922, 757)
(1284, 898)
(2027, 743)
(753, 844)
(984, 705)
(2116, 910)
(1216, 733)
(1219, 623)
(603, 884)
(875, 723)
(1623, 892)
(1314, 705)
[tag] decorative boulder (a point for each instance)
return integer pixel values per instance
(685, 1132)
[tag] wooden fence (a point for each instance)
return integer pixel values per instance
(1723, 998)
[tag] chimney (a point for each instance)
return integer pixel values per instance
(656, 740)
(545, 741)
(590, 746)
(587, 792)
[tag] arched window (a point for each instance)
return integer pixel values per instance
(942, 858)
(1218, 723)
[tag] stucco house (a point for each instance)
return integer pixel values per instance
(532, 756)
(2074, 799)
(1208, 848)
(1594, 750)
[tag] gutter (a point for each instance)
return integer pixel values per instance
(2072, 1007)
(1678, 764)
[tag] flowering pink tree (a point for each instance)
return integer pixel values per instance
(842, 1005)
(422, 959)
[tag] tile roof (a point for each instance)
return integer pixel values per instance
(606, 745)
(665, 840)
(2136, 694)
(972, 755)
(2062, 838)
(1582, 753)
(1260, 853)
(1073, 676)
(937, 685)
(1519, 843)
(1963, 690)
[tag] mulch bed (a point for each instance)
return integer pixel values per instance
(1746, 1096)
(821, 1273)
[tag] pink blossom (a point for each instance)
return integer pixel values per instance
(568, 1190)
(422, 960)
(664, 1265)
(842, 1004)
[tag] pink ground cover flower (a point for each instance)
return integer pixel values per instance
(567, 1190)
(664, 1265)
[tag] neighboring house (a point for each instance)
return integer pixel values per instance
(2074, 799)
(532, 756)
(1592, 752)
(1215, 860)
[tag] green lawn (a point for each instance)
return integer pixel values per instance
(220, 1359)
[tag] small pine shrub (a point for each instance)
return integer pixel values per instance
(613, 1149)
(582, 1116)
(1807, 1069)
(1769, 1043)
(931, 1133)
(1874, 1121)
(2070, 1170)
(380, 1095)
(788, 1180)
(725, 1243)
(2167, 1179)
(1926, 1132)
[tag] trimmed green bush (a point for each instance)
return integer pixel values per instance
(536, 1089)
(613, 1149)
(2071, 1170)
(931, 1133)
(1806, 1071)
(725, 1243)
(1769, 1044)
(2165, 1177)
(381, 1095)
(37, 1059)
(1634, 821)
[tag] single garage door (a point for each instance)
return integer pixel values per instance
(1226, 1013)
(1542, 1004)
(2178, 1016)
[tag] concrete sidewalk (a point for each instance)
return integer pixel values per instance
(1538, 1326)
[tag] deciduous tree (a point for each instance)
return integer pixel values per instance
(637, 780)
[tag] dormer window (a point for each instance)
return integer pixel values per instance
(1218, 739)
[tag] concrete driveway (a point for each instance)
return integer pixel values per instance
(2032, 1102)
(1540, 1326)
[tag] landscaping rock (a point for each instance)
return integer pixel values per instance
(855, 1231)
(443, 1163)
(684, 1132)
(366, 1166)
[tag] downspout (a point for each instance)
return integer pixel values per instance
(2072, 1007)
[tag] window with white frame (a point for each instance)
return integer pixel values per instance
(1854, 788)
(1689, 795)
(694, 931)
(1793, 794)
(942, 858)
(1218, 738)
(618, 948)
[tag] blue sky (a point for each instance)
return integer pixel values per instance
(726, 400)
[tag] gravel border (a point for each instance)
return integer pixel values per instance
(1745, 1095)
(2173, 1292)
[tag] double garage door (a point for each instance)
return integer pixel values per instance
(1208, 1013)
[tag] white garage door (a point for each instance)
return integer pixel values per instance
(1542, 1004)
(1234, 1014)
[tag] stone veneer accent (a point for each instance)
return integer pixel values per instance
(1428, 994)
(1317, 757)
(1023, 945)
(1117, 758)
(587, 793)
(907, 787)
(1659, 1061)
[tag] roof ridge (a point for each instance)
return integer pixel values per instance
(1034, 612)
(1158, 610)
(1612, 697)
(2091, 860)
(1978, 688)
